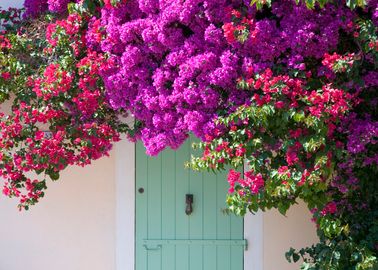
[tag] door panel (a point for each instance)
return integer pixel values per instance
(167, 238)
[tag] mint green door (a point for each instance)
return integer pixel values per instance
(169, 239)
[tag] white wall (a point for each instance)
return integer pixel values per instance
(73, 227)
(271, 234)
(280, 233)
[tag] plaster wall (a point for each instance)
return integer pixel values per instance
(72, 228)
(280, 233)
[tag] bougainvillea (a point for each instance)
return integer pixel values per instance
(285, 88)
(35, 8)
(175, 69)
(309, 131)
(59, 117)
(286, 135)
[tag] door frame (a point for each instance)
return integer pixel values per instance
(124, 152)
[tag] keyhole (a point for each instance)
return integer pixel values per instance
(141, 190)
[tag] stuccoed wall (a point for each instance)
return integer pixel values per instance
(72, 228)
(280, 233)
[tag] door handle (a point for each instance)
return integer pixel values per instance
(158, 247)
(189, 204)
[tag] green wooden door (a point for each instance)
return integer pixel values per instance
(169, 239)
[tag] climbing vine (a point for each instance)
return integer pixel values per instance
(285, 88)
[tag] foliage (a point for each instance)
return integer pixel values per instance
(289, 87)
(286, 136)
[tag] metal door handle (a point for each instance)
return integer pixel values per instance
(158, 247)
(189, 204)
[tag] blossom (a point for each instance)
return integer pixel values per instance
(284, 170)
(232, 178)
(35, 7)
(189, 57)
(58, 6)
(253, 181)
(292, 156)
(6, 75)
(330, 208)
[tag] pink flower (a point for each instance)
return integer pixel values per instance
(232, 178)
(6, 76)
(279, 104)
(253, 182)
(229, 29)
(295, 133)
(284, 170)
(240, 151)
(330, 208)
(108, 3)
(291, 157)
(236, 13)
(304, 177)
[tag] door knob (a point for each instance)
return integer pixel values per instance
(189, 204)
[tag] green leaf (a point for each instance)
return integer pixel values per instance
(351, 3)
(310, 4)
(296, 257)
(283, 207)
(299, 117)
(54, 175)
(322, 3)
(289, 254)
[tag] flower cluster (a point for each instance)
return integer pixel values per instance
(251, 181)
(310, 133)
(60, 117)
(66, 33)
(10, 18)
(58, 6)
(54, 82)
(35, 8)
(239, 29)
(286, 135)
(176, 62)
(338, 63)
